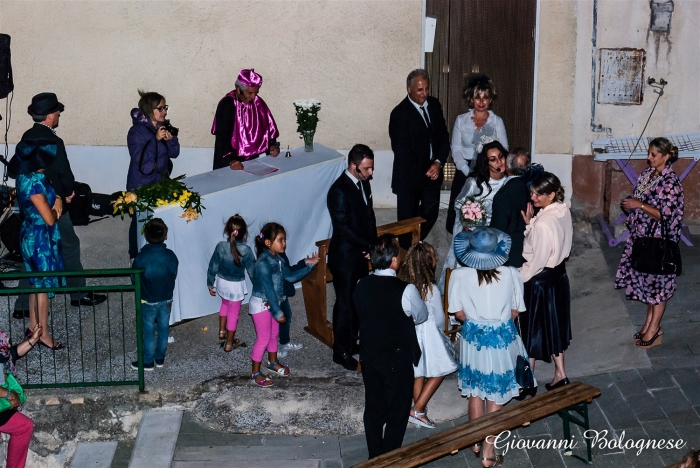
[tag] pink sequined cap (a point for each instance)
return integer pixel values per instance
(250, 78)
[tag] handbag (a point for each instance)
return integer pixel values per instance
(523, 372)
(11, 384)
(657, 255)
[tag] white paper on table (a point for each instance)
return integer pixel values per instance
(258, 168)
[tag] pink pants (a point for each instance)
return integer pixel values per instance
(267, 330)
(230, 310)
(20, 428)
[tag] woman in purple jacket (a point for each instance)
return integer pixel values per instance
(151, 147)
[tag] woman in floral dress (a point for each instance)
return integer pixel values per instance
(658, 192)
(39, 236)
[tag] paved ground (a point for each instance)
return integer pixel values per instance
(314, 417)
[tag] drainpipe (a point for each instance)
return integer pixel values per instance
(594, 60)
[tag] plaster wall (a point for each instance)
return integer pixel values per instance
(352, 55)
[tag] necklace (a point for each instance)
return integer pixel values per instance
(647, 182)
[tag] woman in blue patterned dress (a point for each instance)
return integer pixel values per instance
(487, 297)
(40, 240)
(658, 192)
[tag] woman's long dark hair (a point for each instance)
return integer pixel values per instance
(481, 168)
(236, 230)
(270, 231)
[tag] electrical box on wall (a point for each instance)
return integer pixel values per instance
(661, 11)
(621, 79)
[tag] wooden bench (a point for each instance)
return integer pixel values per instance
(564, 400)
(314, 284)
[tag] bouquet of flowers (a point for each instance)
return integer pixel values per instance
(473, 213)
(166, 192)
(307, 114)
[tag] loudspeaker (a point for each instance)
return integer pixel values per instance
(6, 83)
(9, 234)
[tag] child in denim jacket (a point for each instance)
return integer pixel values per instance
(157, 286)
(226, 277)
(267, 295)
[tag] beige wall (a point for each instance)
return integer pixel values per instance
(352, 55)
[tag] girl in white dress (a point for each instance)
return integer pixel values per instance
(487, 297)
(438, 356)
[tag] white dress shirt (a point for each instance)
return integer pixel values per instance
(548, 239)
(355, 180)
(411, 302)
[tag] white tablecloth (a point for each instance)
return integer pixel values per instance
(295, 197)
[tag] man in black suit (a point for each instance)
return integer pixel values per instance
(421, 144)
(349, 203)
(509, 202)
(46, 112)
(389, 310)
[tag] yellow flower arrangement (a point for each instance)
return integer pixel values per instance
(145, 199)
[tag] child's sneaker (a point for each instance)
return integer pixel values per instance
(146, 367)
(160, 362)
(281, 351)
(292, 346)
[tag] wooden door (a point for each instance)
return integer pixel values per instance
(494, 37)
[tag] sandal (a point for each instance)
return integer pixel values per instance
(283, 371)
(230, 347)
(420, 419)
(477, 452)
(264, 383)
(222, 334)
(652, 342)
(497, 461)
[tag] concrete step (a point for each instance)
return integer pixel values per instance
(155, 443)
(93, 455)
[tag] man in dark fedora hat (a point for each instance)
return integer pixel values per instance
(45, 110)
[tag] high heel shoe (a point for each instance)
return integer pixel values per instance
(654, 341)
(526, 392)
(497, 461)
(477, 454)
(638, 336)
(56, 345)
(561, 383)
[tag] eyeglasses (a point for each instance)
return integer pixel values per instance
(162, 108)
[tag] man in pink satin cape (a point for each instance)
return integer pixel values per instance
(243, 125)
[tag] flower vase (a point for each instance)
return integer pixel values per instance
(308, 136)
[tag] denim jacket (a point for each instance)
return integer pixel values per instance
(160, 265)
(223, 266)
(268, 281)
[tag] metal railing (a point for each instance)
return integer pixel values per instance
(98, 339)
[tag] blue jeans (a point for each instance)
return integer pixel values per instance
(153, 313)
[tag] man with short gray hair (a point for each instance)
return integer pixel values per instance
(421, 144)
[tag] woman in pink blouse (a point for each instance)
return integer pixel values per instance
(546, 325)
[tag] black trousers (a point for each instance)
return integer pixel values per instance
(70, 246)
(345, 321)
(388, 394)
(423, 202)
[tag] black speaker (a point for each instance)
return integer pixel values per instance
(6, 83)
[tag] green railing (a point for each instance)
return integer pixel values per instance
(100, 341)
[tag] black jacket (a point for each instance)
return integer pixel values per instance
(411, 140)
(507, 204)
(354, 223)
(59, 172)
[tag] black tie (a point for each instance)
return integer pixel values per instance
(362, 192)
(425, 116)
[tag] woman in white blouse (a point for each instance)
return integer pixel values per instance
(546, 326)
(467, 133)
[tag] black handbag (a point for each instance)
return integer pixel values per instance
(657, 255)
(523, 372)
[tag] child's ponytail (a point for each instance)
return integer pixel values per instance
(237, 231)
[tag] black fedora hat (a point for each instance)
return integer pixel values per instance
(32, 155)
(44, 104)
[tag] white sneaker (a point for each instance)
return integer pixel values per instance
(281, 352)
(291, 346)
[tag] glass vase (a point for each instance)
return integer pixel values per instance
(308, 136)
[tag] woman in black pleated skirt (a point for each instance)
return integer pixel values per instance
(546, 325)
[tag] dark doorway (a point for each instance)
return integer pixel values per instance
(495, 37)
